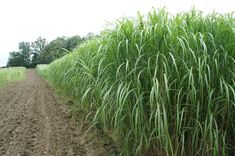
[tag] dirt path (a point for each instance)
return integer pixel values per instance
(32, 123)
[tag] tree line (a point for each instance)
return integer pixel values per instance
(31, 54)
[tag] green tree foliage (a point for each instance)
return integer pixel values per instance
(25, 51)
(72, 42)
(38, 48)
(42, 52)
(21, 58)
(15, 59)
(55, 49)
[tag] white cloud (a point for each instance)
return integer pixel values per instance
(25, 20)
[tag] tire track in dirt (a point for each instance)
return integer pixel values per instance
(32, 122)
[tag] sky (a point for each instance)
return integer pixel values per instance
(26, 20)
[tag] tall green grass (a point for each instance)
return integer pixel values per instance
(8, 75)
(158, 84)
(40, 68)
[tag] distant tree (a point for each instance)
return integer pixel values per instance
(38, 48)
(60, 47)
(55, 49)
(90, 35)
(73, 42)
(41, 52)
(25, 51)
(15, 59)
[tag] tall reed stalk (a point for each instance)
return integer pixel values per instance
(158, 84)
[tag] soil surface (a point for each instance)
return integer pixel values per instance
(32, 122)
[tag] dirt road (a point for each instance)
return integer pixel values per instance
(33, 123)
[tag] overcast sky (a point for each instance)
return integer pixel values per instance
(26, 20)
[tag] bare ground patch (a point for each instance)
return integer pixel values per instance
(34, 122)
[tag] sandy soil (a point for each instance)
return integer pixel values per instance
(33, 123)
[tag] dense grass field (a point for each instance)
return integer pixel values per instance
(8, 75)
(157, 84)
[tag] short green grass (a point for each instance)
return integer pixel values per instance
(159, 84)
(8, 75)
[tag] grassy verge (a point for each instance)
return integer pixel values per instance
(41, 70)
(95, 135)
(8, 75)
(160, 84)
